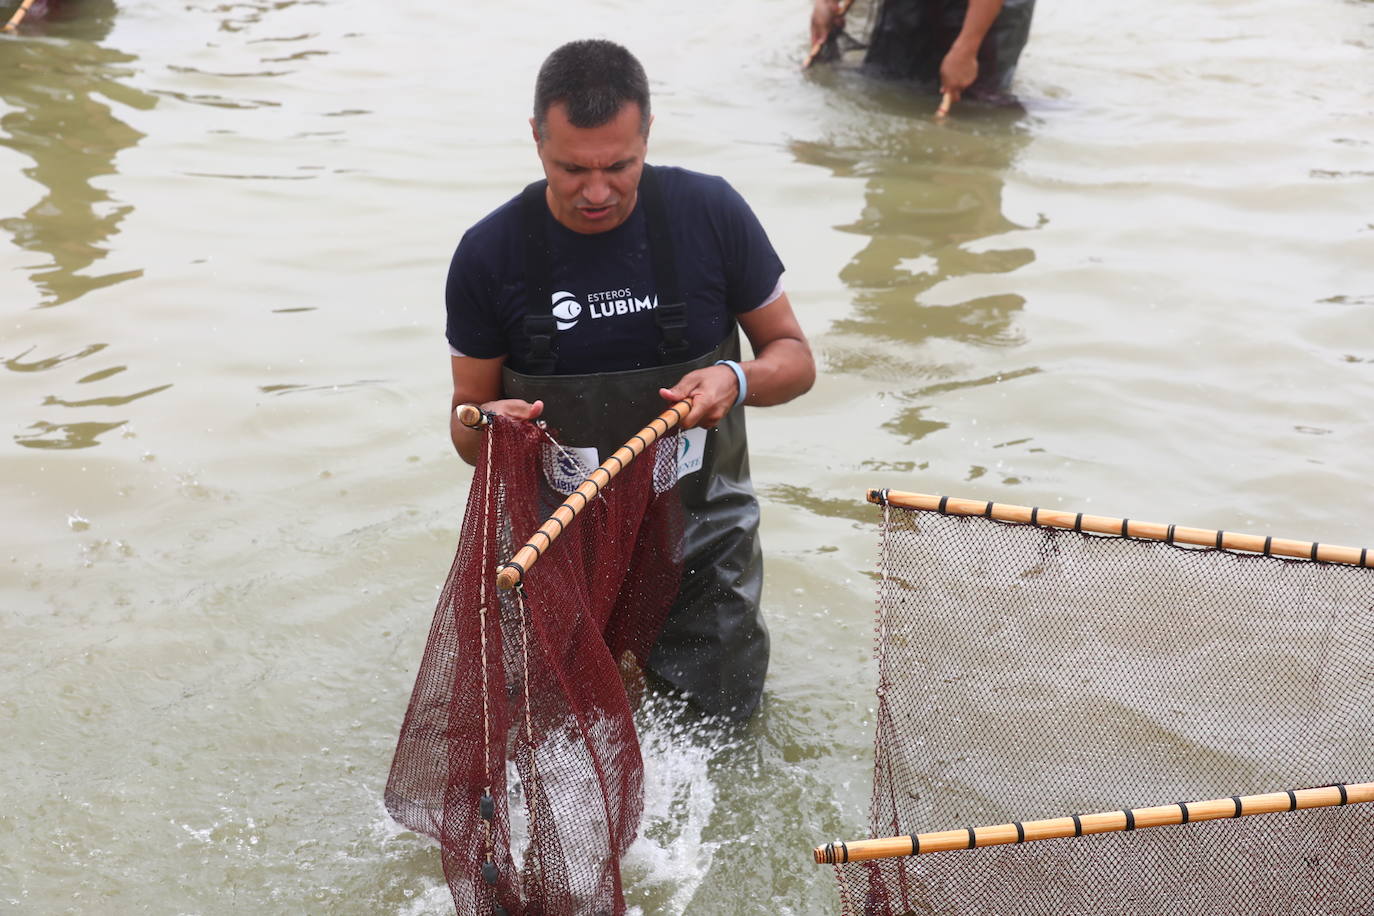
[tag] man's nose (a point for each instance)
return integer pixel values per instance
(597, 190)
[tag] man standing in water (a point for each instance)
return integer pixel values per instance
(611, 289)
(956, 46)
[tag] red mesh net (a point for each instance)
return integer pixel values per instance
(1029, 673)
(518, 752)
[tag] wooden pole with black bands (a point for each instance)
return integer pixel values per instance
(513, 571)
(838, 853)
(18, 17)
(1127, 528)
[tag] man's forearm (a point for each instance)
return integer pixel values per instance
(784, 370)
(467, 442)
(979, 18)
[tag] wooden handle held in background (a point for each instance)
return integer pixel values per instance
(816, 47)
(18, 17)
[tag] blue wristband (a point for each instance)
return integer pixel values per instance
(739, 376)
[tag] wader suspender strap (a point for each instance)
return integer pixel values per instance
(540, 327)
(671, 313)
(539, 321)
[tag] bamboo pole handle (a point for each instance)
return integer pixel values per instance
(471, 416)
(513, 570)
(816, 46)
(838, 853)
(18, 16)
(1127, 528)
(946, 102)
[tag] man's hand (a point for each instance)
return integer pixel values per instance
(825, 18)
(781, 369)
(478, 381)
(467, 441)
(514, 408)
(958, 71)
(713, 391)
(960, 67)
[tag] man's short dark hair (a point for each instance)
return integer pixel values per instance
(593, 78)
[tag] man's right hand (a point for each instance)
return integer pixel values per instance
(825, 18)
(514, 408)
(467, 441)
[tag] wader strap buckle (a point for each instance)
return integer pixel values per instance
(672, 326)
(539, 331)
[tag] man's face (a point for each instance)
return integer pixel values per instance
(593, 172)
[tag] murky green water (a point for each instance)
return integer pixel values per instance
(229, 496)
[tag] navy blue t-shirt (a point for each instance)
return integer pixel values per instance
(603, 285)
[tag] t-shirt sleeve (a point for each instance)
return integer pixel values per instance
(752, 267)
(471, 296)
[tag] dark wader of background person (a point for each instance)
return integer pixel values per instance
(910, 38)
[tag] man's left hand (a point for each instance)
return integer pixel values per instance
(713, 391)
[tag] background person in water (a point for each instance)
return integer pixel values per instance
(953, 46)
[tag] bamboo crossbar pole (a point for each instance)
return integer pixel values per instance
(513, 570)
(471, 416)
(838, 853)
(1127, 528)
(18, 17)
(816, 46)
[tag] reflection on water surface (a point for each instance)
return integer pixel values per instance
(61, 86)
(57, 89)
(931, 216)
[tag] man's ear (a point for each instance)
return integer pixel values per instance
(534, 128)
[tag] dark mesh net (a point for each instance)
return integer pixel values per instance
(535, 681)
(1029, 673)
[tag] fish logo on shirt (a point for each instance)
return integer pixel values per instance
(566, 310)
(611, 303)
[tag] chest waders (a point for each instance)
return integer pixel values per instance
(910, 39)
(714, 645)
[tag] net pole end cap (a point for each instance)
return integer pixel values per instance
(508, 577)
(470, 415)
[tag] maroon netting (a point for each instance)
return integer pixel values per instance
(1029, 673)
(535, 679)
